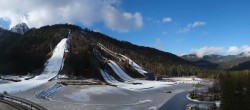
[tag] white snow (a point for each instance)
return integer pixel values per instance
(117, 69)
(128, 82)
(143, 101)
(131, 62)
(53, 65)
(63, 76)
(152, 108)
(128, 85)
(134, 65)
(217, 103)
(189, 80)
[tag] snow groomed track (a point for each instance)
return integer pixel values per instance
(111, 80)
(134, 65)
(120, 72)
(129, 82)
(53, 66)
(123, 57)
(130, 86)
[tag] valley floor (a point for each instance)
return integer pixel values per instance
(101, 97)
(6, 107)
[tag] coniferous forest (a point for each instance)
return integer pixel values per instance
(235, 90)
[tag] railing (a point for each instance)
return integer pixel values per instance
(25, 103)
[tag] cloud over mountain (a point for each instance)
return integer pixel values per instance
(37, 13)
(233, 49)
(207, 51)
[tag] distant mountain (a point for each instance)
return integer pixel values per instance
(242, 66)
(20, 28)
(30, 53)
(214, 61)
(190, 57)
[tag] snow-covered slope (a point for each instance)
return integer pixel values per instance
(53, 66)
(119, 71)
(185, 80)
(134, 65)
(130, 86)
(123, 57)
(20, 28)
(128, 82)
(55, 63)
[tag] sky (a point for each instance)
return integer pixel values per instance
(181, 27)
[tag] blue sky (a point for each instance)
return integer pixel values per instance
(190, 26)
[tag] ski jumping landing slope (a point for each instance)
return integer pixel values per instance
(134, 65)
(119, 71)
(53, 66)
(130, 86)
(111, 80)
(129, 82)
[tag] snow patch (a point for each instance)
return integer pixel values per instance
(144, 101)
(53, 66)
(188, 80)
(134, 65)
(130, 86)
(152, 108)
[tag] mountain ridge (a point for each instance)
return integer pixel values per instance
(215, 61)
(34, 47)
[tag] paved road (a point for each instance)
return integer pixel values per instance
(178, 102)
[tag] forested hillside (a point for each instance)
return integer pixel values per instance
(235, 90)
(153, 60)
(34, 47)
(31, 51)
(7, 38)
(242, 66)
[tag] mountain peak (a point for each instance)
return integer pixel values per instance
(20, 28)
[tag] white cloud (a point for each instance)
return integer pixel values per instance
(233, 50)
(207, 51)
(37, 13)
(191, 26)
(245, 50)
(167, 19)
